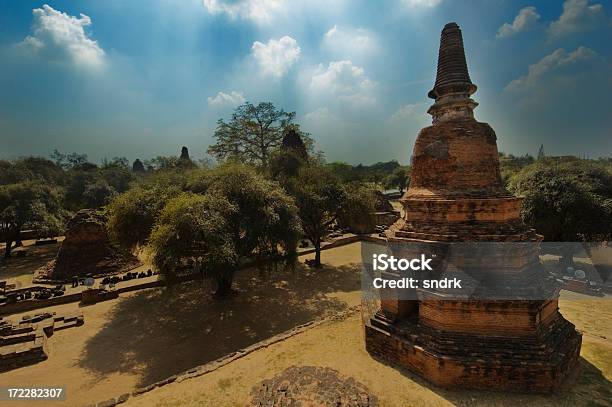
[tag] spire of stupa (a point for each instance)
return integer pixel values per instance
(453, 86)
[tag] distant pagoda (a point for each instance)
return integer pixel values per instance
(293, 142)
(456, 199)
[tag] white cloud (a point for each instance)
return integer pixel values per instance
(277, 56)
(550, 63)
(318, 115)
(259, 11)
(223, 99)
(62, 36)
(524, 20)
(409, 111)
(422, 3)
(344, 81)
(346, 40)
(578, 15)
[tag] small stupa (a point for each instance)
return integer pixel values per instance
(457, 202)
(86, 250)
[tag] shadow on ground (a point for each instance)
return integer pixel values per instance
(161, 332)
(21, 269)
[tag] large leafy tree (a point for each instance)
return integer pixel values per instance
(30, 169)
(195, 227)
(566, 200)
(28, 204)
(264, 222)
(267, 218)
(357, 212)
(321, 198)
(253, 132)
(133, 214)
(399, 178)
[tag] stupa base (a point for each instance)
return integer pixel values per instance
(541, 363)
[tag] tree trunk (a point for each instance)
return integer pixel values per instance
(317, 259)
(567, 257)
(224, 285)
(7, 251)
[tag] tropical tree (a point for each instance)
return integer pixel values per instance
(399, 179)
(267, 218)
(321, 198)
(253, 133)
(566, 201)
(133, 214)
(357, 212)
(30, 204)
(98, 194)
(195, 227)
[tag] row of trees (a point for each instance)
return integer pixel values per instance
(41, 194)
(265, 196)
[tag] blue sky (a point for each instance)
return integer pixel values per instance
(141, 78)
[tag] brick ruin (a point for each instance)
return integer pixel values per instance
(85, 250)
(456, 195)
(25, 343)
(311, 386)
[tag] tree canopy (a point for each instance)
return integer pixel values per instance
(252, 134)
(195, 227)
(566, 200)
(320, 197)
(28, 204)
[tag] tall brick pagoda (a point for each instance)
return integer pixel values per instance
(457, 203)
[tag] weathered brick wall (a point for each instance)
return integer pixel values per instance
(456, 158)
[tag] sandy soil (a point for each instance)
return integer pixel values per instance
(340, 346)
(148, 335)
(20, 270)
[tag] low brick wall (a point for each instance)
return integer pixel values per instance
(29, 305)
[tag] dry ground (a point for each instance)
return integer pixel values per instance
(146, 336)
(20, 270)
(340, 345)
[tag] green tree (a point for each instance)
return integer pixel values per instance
(286, 163)
(132, 214)
(163, 163)
(541, 152)
(264, 223)
(566, 201)
(321, 198)
(399, 179)
(252, 134)
(76, 160)
(98, 194)
(267, 218)
(357, 213)
(28, 204)
(58, 158)
(196, 227)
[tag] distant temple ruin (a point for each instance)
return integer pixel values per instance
(87, 250)
(456, 195)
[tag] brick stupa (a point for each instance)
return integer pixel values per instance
(456, 195)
